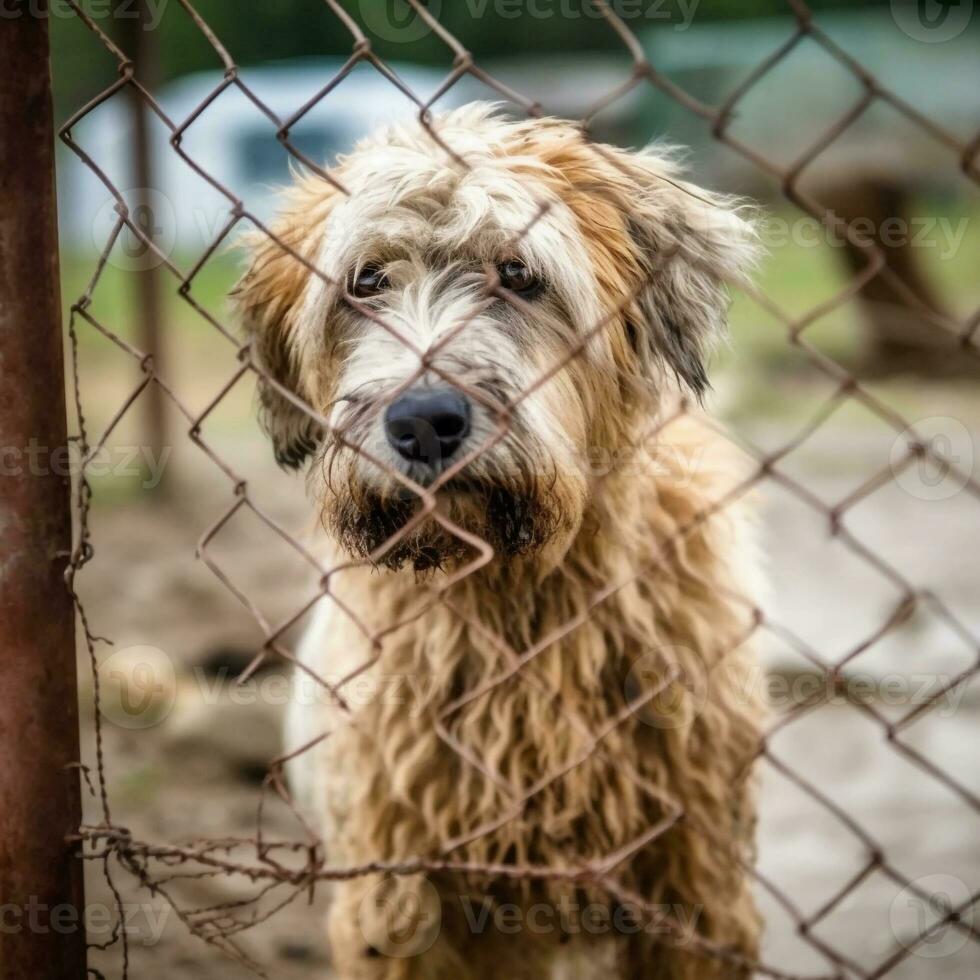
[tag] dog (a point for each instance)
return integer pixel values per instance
(532, 756)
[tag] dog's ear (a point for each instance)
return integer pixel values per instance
(269, 298)
(670, 251)
(690, 245)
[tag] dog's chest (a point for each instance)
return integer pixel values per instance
(439, 743)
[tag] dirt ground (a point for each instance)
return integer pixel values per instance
(196, 771)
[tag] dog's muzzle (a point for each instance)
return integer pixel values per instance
(428, 425)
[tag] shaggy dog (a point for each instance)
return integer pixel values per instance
(540, 721)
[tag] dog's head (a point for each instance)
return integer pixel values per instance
(475, 315)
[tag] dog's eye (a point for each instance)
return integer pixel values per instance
(369, 281)
(518, 278)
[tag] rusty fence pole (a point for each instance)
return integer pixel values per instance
(41, 881)
(132, 23)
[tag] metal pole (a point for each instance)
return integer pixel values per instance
(139, 42)
(41, 882)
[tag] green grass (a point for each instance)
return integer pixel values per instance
(115, 294)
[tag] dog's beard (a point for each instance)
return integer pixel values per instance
(515, 520)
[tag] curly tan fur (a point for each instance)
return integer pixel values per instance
(582, 703)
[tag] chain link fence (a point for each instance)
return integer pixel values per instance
(284, 871)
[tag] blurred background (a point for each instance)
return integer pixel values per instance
(187, 750)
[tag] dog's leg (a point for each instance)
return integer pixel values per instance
(642, 958)
(392, 928)
(646, 958)
(403, 928)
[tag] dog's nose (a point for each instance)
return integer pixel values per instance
(428, 426)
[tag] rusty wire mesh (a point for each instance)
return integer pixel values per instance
(297, 866)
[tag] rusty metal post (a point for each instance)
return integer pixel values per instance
(41, 882)
(139, 42)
